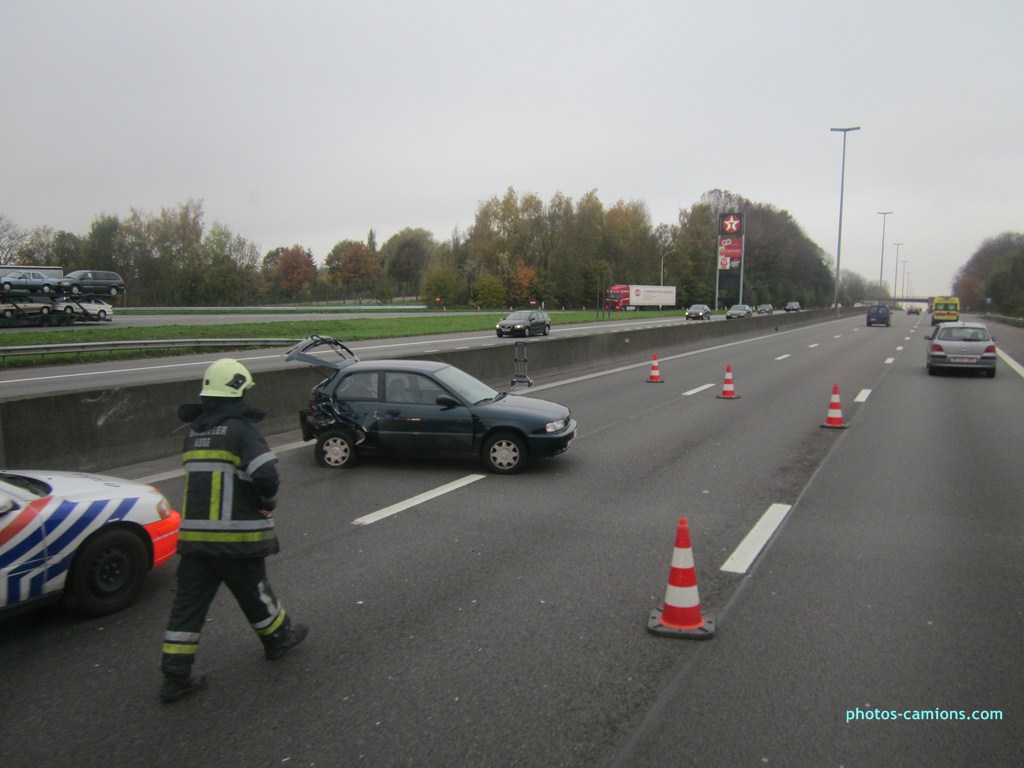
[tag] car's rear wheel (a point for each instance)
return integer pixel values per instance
(505, 453)
(107, 572)
(547, 329)
(336, 449)
(113, 291)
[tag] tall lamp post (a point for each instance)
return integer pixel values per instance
(881, 264)
(842, 184)
(896, 272)
(663, 255)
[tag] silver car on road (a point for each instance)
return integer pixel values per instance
(967, 346)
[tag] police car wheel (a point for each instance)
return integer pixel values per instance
(107, 572)
(335, 449)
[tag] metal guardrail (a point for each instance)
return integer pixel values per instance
(111, 346)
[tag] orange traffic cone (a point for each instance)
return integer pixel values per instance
(835, 412)
(680, 616)
(728, 390)
(655, 377)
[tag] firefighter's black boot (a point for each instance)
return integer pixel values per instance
(175, 687)
(286, 638)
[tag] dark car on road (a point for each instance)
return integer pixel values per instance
(738, 310)
(765, 309)
(699, 312)
(879, 314)
(421, 408)
(525, 322)
(793, 306)
(92, 281)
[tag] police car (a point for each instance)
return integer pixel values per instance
(89, 539)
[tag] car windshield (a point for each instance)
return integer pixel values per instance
(519, 316)
(465, 386)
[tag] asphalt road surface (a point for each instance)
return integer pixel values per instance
(461, 618)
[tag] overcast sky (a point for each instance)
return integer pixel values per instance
(312, 122)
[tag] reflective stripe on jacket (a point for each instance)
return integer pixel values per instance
(230, 475)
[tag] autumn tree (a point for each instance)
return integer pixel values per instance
(294, 270)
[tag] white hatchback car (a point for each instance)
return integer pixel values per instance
(967, 346)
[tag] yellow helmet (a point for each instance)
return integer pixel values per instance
(226, 378)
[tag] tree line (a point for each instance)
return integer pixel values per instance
(562, 253)
(993, 278)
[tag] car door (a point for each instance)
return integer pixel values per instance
(412, 423)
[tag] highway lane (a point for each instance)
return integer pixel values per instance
(503, 623)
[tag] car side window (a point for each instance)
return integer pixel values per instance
(412, 388)
(361, 385)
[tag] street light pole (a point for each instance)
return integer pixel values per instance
(896, 272)
(842, 184)
(881, 264)
(663, 255)
(904, 278)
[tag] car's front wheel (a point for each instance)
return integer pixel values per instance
(335, 449)
(107, 572)
(504, 453)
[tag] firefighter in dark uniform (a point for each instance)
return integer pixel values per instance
(227, 529)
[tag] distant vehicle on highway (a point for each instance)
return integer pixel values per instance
(963, 346)
(879, 314)
(913, 309)
(421, 408)
(738, 310)
(524, 322)
(699, 312)
(793, 306)
(88, 539)
(765, 309)
(28, 280)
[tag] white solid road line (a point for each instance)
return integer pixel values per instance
(748, 550)
(380, 514)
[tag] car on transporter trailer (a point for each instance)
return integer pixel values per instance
(420, 408)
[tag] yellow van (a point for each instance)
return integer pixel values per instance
(945, 309)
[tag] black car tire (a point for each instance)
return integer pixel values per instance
(44, 311)
(113, 290)
(991, 373)
(504, 453)
(547, 329)
(335, 449)
(107, 572)
(500, 334)
(75, 290)
(69, 310)
(526, 331)
(8, 286)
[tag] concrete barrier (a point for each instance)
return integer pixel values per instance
(101, 428)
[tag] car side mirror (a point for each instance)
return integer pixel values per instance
(7, 504)
(447, 401)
